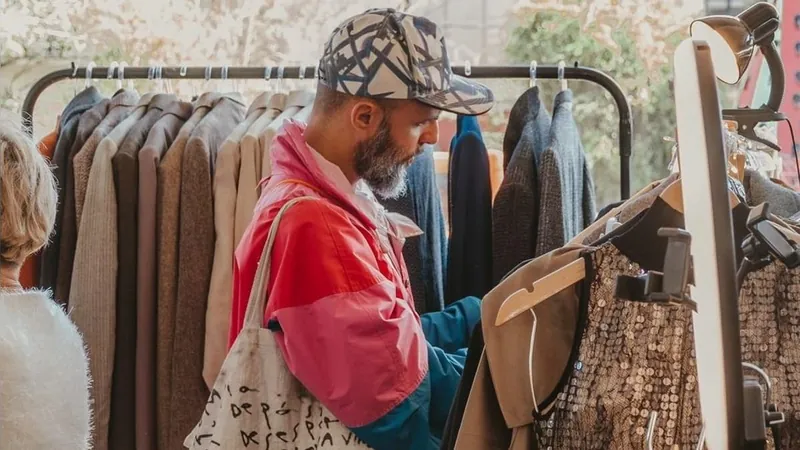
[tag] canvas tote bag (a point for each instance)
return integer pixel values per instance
(256, 403)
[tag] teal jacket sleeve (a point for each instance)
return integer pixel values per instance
(450, 328)
(418, 421)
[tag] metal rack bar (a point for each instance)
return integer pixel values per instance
(309, 72)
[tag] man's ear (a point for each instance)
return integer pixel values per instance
(366, 116)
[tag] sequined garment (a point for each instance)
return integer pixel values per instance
(632, 359)
(769, 313)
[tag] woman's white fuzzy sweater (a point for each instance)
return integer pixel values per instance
(44, 381)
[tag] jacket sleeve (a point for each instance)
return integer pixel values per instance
(450, 328)
(348, 339)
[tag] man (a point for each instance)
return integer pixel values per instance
(339, 298)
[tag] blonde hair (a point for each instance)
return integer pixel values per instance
(28, 195)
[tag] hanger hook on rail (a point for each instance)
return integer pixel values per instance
(532, 72)
(561, 68)
(467, 68)
(110, 71)
(207, 76)
(121, 75)
(280, 77)
(89, 68)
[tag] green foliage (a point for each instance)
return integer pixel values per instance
(549, 37)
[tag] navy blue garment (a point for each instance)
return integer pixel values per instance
(67, 130)
(469, 258)
(425, 255)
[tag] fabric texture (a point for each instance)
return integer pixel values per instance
(161, 136)
(168, 227)
(67, 130)
(29, 272)
(425, 255)
(631, 358)
(407, 59)
(255, 374)
(69, 226)
(469, 258)
(567, 203)
(226, 179)
(769, 314)
(252, 153)
(783, 202)
(93, 295)
(118, 109)
(515, 210)
(41, 411)
(456, 415)
(196, 257)
(125, 166)
(399, 398)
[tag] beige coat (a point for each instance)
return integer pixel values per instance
(218, 309)
(168, 220)
(506, 389)
(295, 102)
(250, 168)
(93, 295)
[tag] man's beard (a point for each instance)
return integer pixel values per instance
(378, 162)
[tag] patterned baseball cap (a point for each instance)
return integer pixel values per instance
(384, 53)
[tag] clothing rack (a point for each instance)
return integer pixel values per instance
(309, 72)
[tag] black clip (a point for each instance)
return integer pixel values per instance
(666, 287)
(766, 240)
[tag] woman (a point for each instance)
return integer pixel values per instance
(44, 386)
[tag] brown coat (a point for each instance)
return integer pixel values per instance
(93, 296)
(498, 412)
(119, 108)
(196, 250)
(168, 220)
(218, 310)
(125, 164)
(160, 138)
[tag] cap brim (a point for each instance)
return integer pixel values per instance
(465, 97)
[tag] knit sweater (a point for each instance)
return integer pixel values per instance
(44, 383)
(567, 203)
(516, 206)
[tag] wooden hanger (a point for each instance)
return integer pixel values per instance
(542, 289)
(673, 196)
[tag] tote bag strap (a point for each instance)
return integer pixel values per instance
(254, 315)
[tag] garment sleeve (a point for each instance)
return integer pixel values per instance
(450, 328)
(348, 339)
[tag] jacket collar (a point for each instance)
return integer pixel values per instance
(293, 158)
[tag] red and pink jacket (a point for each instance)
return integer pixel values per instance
(340, 303)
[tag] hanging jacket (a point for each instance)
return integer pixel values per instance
(469, 266)
(566, 189)
(67, 130)
(341, 306)
(426, 254)
(515, 213)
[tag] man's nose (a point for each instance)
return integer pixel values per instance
(430, 135)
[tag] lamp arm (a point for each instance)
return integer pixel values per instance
(778, 78)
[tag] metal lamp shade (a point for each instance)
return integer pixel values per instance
(731, 43)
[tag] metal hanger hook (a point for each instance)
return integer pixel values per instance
(280, 76)
(183, 71)
(302, 74)
(467, 68)
(561, 78)
(532, 72)
(651, 428)
(121, 73)
(224, 72)
(208, 73)
(110, 71)
(267, 73)
(89, 68)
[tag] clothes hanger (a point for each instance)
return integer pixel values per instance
(88, 82)
(532, 70)
(561, 66)
(110, 73)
